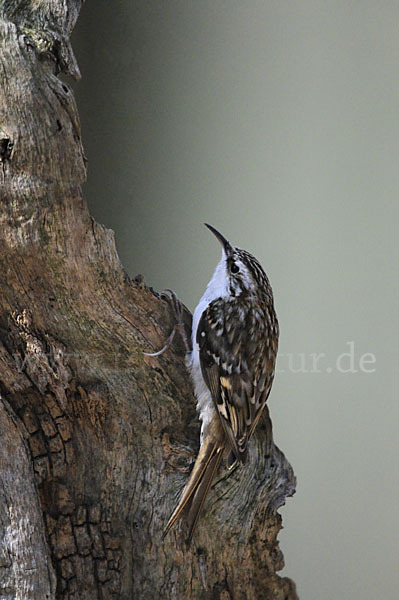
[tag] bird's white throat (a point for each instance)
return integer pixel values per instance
(218, 287)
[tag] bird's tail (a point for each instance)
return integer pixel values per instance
(197, 487)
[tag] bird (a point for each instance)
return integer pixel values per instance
(235, 335)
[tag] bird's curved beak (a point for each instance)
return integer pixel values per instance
(227, 247)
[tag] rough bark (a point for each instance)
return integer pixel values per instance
(97, 439)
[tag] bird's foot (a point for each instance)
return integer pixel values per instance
(178, 310)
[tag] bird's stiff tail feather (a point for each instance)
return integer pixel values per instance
(197, 487)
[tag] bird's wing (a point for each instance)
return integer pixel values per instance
(238, 367)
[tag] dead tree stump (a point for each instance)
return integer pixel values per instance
(97, 439)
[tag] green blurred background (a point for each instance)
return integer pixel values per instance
(278, 123)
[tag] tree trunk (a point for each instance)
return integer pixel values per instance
(96, 438)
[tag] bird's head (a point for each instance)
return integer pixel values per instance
(242, 270)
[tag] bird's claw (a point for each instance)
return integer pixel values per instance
(167, 344)
(178, 311)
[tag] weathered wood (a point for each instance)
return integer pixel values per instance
(96, 438)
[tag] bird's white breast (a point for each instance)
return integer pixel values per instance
(216, 288)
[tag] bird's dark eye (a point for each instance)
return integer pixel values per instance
(234, 268)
